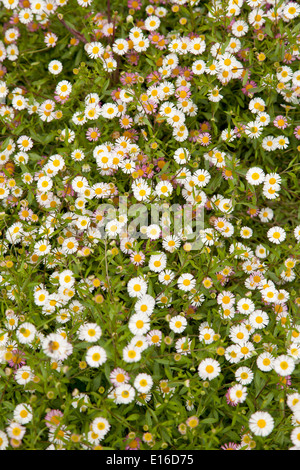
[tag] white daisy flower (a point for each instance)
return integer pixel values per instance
(269, 143)
(100, 426)
(166, 276)
(284, 365)
(96, 356)
(238, 333)
(56, 346)
(109, 111)
(183, 346)
(276, 235)
(139, 324)
(15, 431)
(23, 413)
(261, 251)
(141, 190)
(255, 176)
(153, 231)
(239, 28)
(139, 342)
(143, 383)
(186, 282)
(261, 423)
(164, 188)
(297, 233)
(44, 184)
(245, 306)
(209, 369)
(137, 287)
(23, 375)
(178, 324)
(131, 353)
(258, 319)
(226, 299)
(294, 351)
(244, 375)
(158, 262)
(55, 67)
(266, 214)
(89, 332)
(246, 232)
(196, 46)
(124, 394)
(63, 88)
(198, 67)
(145, 304)
(70, 245)
(94, 50)
(206, 335)
(120, 46)
(282, 142)
(152, 23)
(233, 354)
(295, 437)
(238, 393)
(293, 400)
(202, 177)
(246, 349)
(26, 333)
(3, 440)
(265, 361)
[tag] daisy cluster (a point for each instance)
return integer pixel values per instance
(174, 335)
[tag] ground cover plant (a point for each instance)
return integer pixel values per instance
(150, 224)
